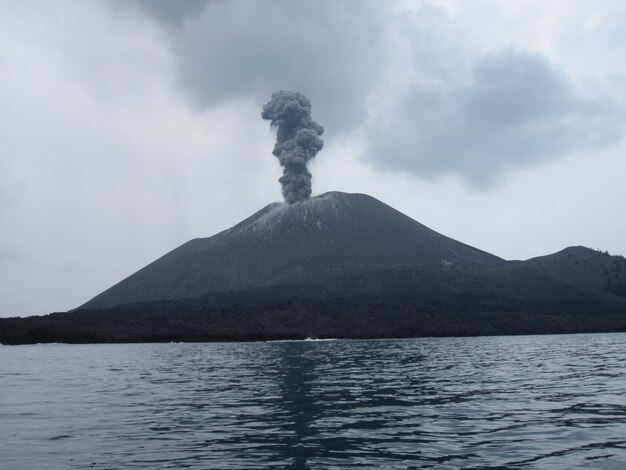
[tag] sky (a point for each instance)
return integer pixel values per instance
(130, 127)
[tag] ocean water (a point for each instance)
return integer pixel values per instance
(489, 402)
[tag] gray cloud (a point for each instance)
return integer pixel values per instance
(168, 12)
(333, 52)
(516, 110)
(430, 103)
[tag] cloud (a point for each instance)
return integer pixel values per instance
(332, 52)
(168, 12)
(515, 110)
(428, 100)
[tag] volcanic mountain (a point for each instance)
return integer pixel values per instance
(340, 266)
(324, 241)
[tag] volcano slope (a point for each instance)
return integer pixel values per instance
(340, 265)
(321, 241)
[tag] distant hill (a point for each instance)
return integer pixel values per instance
(346, 266)
(585, 268)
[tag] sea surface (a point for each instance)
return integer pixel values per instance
(488, 402)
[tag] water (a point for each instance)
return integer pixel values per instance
(536, 401)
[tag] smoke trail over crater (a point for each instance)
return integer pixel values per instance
(297, 141)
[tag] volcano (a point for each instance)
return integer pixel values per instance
(340, 266)
(321, 241)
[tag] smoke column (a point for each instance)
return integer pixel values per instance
(297, 141)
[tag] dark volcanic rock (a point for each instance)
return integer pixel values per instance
(266, 314)
(322, 241)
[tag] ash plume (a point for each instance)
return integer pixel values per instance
(297, 141)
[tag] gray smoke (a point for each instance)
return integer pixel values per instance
(297, 141)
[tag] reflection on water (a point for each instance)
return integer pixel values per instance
(548, 401)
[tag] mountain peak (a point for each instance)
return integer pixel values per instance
(314, 207)
(309, 242)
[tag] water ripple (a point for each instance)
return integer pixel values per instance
(549, 401)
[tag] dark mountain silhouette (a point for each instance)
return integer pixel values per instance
(320, 241)
(588, 269)
(341, 265)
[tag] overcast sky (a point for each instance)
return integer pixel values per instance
(128, 128)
